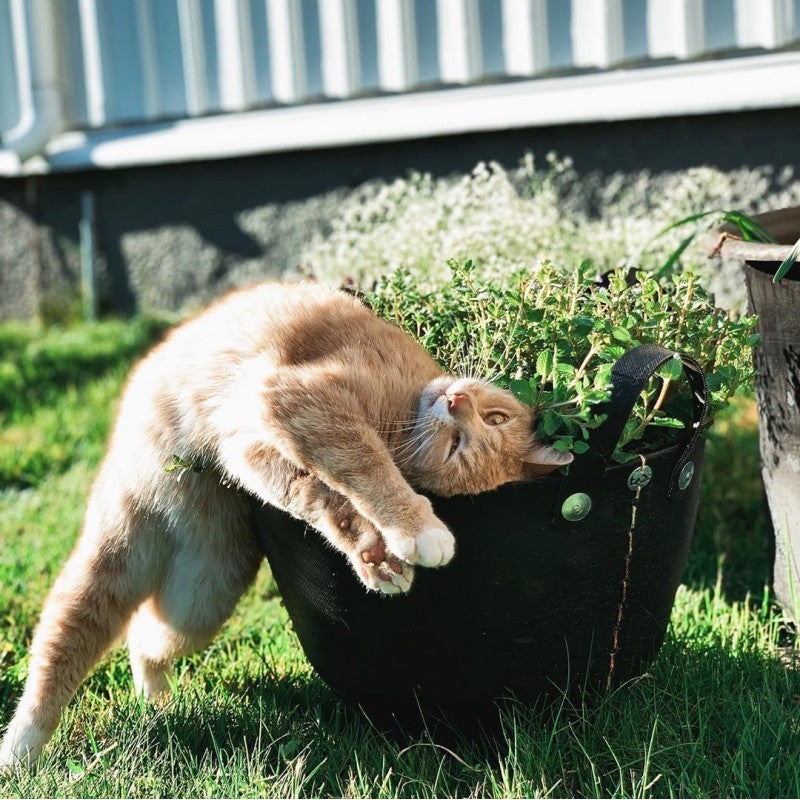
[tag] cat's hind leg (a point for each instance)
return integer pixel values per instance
(111, 570)
(153, 645)
(206, 575)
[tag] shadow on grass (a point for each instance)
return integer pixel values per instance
(733, 537)
(36, 367)
(715, 714)
(704, 717)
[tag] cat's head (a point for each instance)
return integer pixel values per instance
(470, 437)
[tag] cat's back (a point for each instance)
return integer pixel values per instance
(283, 325)
(210, 371)
(273, 318)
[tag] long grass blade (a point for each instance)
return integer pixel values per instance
(675, 255)
(751, 230)
(687, 220)
(787, 262)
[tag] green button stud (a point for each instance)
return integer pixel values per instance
(687, 473)
(576, 507)
(639, 478)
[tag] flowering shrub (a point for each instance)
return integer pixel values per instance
(505, 221)
(553, 339)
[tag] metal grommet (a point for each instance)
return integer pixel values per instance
(576, 507)
(687, 473)
(639, 478)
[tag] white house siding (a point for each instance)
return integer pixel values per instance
(133, 68)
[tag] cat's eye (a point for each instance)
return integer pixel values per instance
(495, 418)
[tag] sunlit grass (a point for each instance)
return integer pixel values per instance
(715, 715)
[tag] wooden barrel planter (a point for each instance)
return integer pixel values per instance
(558, 584)
(777, 385)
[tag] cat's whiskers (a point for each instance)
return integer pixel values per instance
(408, 443)
(418, 450)
(423, 431)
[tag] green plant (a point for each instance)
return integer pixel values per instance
(506, 219)
(749, 230)
(787, 263)
(553, 339)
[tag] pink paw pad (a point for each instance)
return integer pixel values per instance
(390, 564)
(375, 554)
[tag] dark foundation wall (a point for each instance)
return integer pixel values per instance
(179, 234)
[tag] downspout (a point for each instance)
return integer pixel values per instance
(34, 38)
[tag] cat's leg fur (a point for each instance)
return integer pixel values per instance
(113, 567)
(206, 575)
(352, 459)
(282, 484)
(354, 463)
(334, 515)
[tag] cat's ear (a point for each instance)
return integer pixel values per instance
(542, 459)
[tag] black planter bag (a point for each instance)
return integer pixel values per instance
(532, 604)
(777, 384)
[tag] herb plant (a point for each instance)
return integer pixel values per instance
(552, 339)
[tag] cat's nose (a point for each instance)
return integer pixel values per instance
(455, 400)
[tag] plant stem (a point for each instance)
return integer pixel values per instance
(665, 385)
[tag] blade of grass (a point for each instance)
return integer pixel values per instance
(687, 220)
(675, 255)
(787, 262)
(751, 230)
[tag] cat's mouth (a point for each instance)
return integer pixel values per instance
(454, 445)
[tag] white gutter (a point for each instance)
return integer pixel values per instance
(704, 87)
(37, 84)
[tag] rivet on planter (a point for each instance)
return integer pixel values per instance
(576, 507)
(639, 478)
(687, 473)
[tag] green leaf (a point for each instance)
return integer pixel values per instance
(672, 370)
(714, 381)
(621, 334)
(675, 256)
(667, 422)
(550, 422)
(580, 447)
(565, 370)
(583, 322)
(612, 353)
(687, 220)
(544, 363)
(751, 230)
(522, 391)
(602, 378)
(787, 263)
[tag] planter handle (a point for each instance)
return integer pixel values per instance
(629, 377)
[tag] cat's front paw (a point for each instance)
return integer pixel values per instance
(432, 546)
(379, 570)
(389, 577)
(435, 547)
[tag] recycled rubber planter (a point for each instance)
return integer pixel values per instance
(557, 584)
(777, 385)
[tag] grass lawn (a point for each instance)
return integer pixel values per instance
(718, 714)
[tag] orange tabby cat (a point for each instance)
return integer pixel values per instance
(303, 397)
